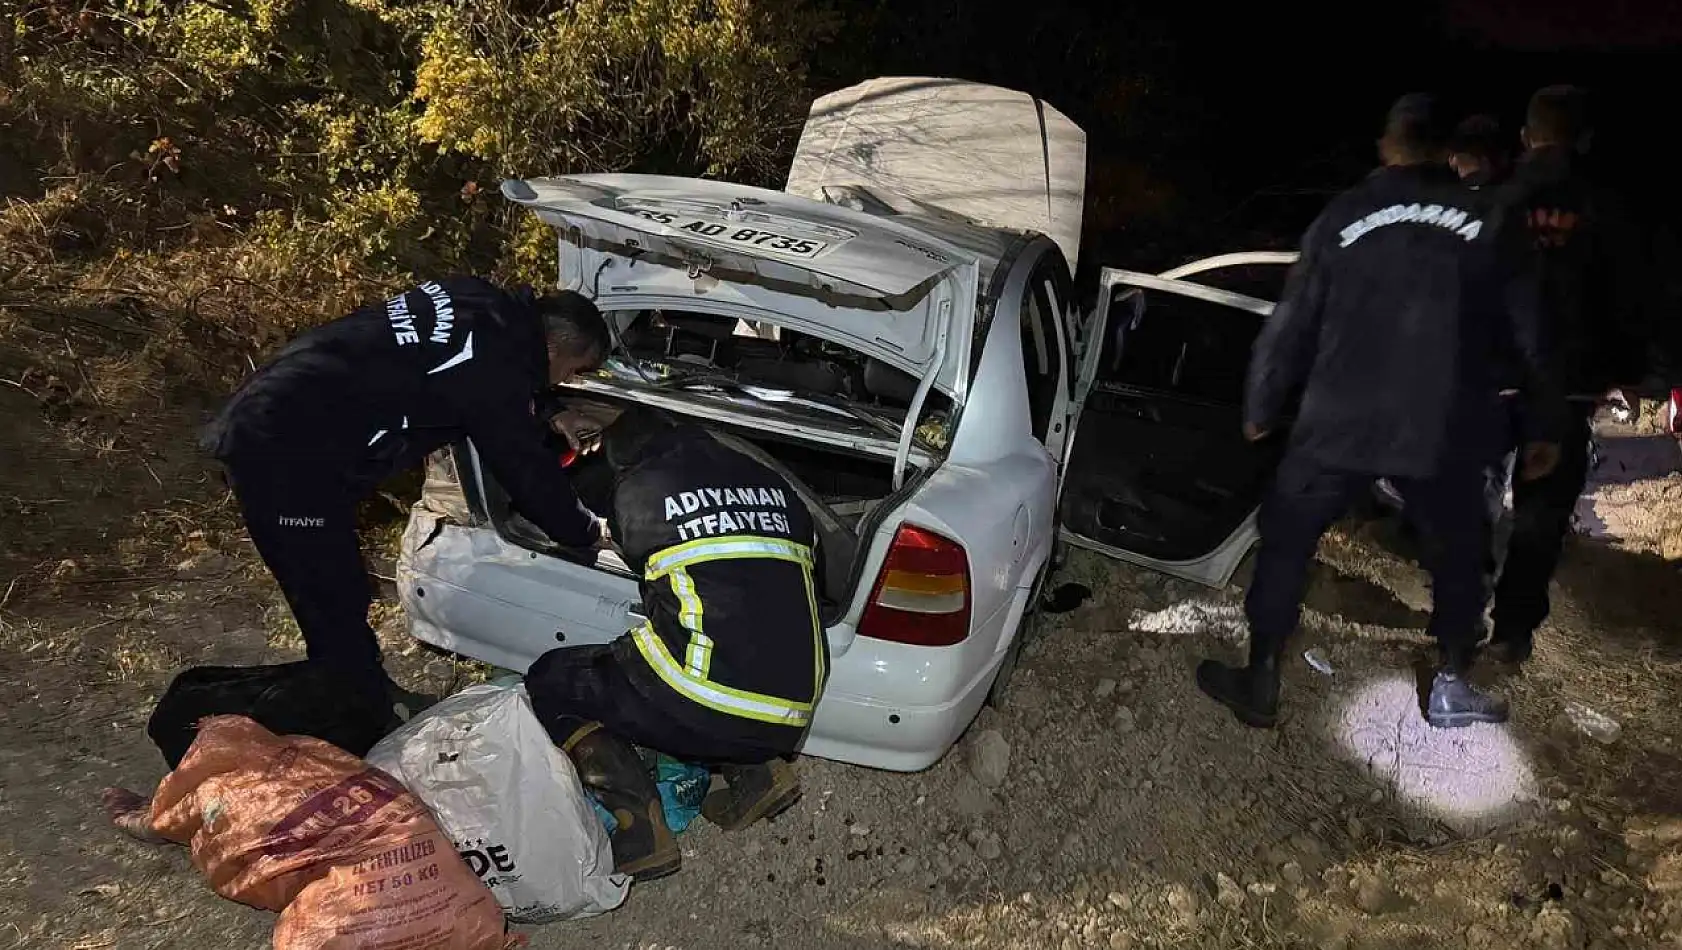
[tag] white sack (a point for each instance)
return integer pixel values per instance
(510, 801)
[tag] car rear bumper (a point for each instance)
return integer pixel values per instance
(886, 705)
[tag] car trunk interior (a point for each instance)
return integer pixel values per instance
(842, 490)
(1160, 466)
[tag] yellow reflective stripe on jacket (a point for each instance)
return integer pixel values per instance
(677, 556)
(734, 702)
(820, 646)
(698, 658)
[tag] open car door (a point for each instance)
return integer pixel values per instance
(1159, 472)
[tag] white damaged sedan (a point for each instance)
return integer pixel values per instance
(896, 333)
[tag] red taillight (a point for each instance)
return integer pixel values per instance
(1673, 422)
(922, 595)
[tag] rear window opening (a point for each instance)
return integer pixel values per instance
(687, 350)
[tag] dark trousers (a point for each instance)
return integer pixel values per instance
(1541, 520)
(304, 527)
(571, 687)
(1307, 498)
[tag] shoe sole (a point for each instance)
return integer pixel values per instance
(666, 858)
(1462, 720)
(652, 868)
(765, 809)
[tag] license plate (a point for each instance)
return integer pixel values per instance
(731, 234)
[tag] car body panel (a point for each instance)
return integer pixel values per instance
(995, 156)
(855, 249)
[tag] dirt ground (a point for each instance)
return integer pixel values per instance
(1108, 805)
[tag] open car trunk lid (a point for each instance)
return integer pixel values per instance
(995, 156)
(841, 274)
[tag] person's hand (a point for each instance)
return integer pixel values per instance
(1538, 460)
(605, 542)
(1255, 433)
(581, 433)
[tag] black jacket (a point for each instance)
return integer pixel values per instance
(1397, 328)
(1593, 271)
(372, 393)
(733, 643)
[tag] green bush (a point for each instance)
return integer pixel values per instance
(358, 139)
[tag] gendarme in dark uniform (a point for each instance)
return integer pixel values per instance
(728, 666)
(1389, 347)
(1595, 286)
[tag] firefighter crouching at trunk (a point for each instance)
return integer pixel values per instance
(729, 663)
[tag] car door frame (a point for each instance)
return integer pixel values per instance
(1216, 567)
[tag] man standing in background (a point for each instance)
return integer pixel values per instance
(1389, 339)
(1478, 153)
(1592, 284)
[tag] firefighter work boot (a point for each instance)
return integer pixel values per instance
(1251, 692)
(611, 770)
(1454, 702)
(752, 792)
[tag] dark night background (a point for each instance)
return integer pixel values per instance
(1217, 127)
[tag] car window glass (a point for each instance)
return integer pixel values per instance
(1040, 356)
(1183, 346)
(1033, 336)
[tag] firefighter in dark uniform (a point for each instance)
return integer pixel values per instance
(1593, 285)
(1389, 339)
(350, 403)
(728, 666)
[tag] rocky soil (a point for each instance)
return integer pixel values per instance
(1106, 805)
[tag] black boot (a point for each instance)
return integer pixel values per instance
(1251, 692)
(609, 768)
(1455, 702)
(752, 792)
